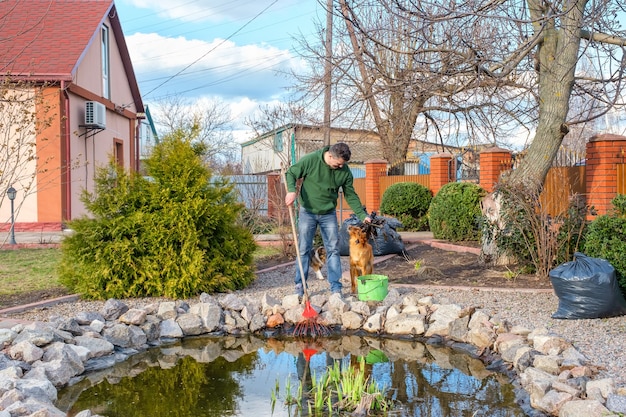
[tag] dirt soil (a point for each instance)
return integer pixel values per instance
(426, 265)
(436, 267)
(21, 299)
(442, 267)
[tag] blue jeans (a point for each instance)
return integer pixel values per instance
(329, 228)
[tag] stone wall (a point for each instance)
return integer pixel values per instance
(39, 358)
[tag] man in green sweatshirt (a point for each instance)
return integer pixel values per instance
(323, 173)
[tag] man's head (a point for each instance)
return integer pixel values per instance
(339, 155)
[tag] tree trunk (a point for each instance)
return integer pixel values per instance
(395, 127)
(557, 56)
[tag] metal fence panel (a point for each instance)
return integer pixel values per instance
(252, 191)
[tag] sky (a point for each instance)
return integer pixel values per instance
(234, 51)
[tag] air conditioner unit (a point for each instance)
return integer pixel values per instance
(95, 114)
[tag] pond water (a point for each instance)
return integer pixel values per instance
(235, 376)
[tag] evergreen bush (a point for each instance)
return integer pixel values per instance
(455, 214)
(173, 233)
(408, 202)
(606, 238)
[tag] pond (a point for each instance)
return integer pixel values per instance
(235, 376)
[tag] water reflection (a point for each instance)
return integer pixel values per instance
(231, 376)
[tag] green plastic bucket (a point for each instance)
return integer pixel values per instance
(376, 356)
(372, 287)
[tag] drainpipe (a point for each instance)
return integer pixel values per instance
(65, 108)
(137, 161)
(293, 148)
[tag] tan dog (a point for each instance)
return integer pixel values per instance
(317, 261)
(361, 255)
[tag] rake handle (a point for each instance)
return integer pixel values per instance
(295, 236)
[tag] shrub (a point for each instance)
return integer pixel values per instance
(528, 234)
(408, 202)
(173, 234)
(255, 222)
(606, 238)
(454, 213)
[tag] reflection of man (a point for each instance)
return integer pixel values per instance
(323, 172)
(305, 370)
(304, 373)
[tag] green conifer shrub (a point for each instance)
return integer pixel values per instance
(454, 212)
(606, 238)
(408, 202)
(173, 233)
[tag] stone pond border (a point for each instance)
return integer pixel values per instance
(40, 357)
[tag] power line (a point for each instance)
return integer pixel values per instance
(212, 49)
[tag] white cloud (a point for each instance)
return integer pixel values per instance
(211, 10)
(152, 51)
(245, 108)
(191, 65)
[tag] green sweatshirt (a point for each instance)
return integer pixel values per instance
(320, 185)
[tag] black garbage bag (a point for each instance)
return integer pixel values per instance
(587, 288)
(385, 240)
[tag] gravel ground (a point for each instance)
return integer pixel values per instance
(602, 341)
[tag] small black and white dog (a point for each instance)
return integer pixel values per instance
(317, 261)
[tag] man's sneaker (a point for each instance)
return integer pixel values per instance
(299, 290)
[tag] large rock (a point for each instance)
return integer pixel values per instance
(584, 408)
(441, 318)
(113, 309)
(97, 347)
(191, 324)
(406, 324)
(209, 313)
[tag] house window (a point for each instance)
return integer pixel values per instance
(278, 141)
(106, 86)
(119, 152)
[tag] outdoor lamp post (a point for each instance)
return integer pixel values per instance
(11, 193)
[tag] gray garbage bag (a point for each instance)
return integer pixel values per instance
(587, 288)
(385, 241)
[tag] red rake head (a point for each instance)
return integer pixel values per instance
(309, 312)
(310, 328)
(309, 325)
(308, 353)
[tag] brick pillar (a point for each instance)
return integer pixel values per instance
(493, 161)
(442, 171)
(374, 169)
(275, 194)
(603, 153)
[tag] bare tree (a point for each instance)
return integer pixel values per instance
(270, 117)
(563, 33)
(210, 122)
(474, 72)
(558, 30)
(486, 66)
(268, 120)
(415, 70)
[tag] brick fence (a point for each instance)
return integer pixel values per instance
(598, 181)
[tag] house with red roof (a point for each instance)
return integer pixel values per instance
(69, 102)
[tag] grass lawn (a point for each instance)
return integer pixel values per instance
(26, 270)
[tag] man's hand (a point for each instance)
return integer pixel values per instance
(290, 198)
(367, 220)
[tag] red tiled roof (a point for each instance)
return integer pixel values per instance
(47, 38)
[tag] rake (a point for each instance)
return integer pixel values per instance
(309, 325)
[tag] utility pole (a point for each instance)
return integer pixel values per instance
(328, 70)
